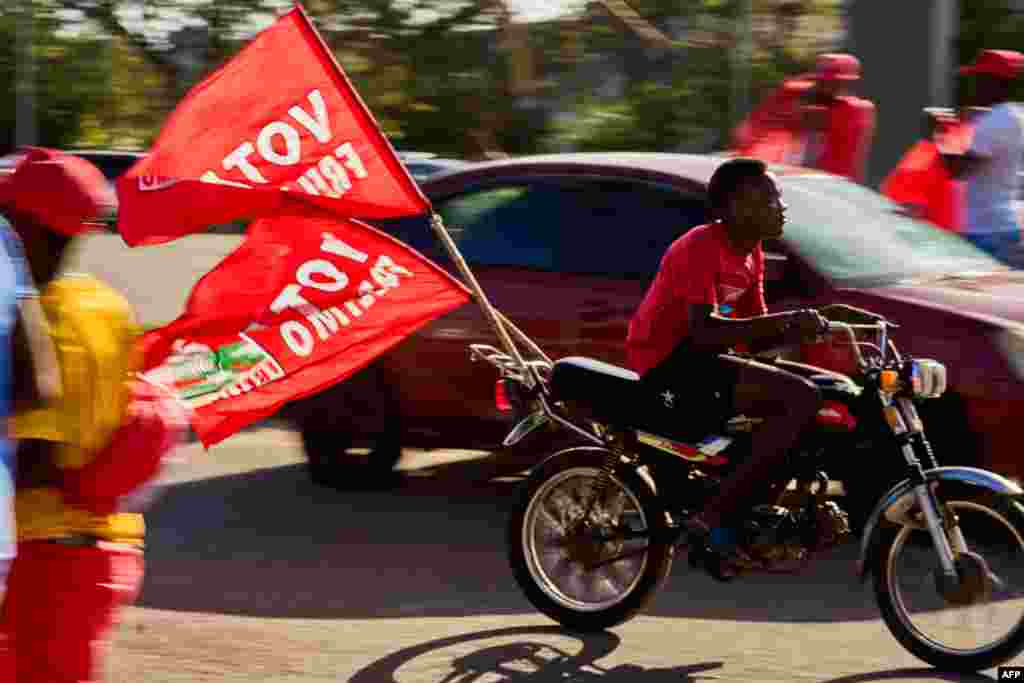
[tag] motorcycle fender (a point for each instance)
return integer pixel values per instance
(900, 497)
(540, 471)
(528, 425)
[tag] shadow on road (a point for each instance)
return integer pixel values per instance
(897, 675)
(529, 657)
(269, 543)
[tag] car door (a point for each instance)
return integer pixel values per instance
(508, 233)
(566, 259)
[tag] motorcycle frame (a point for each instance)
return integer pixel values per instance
(904, 421)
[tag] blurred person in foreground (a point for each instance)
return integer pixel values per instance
(85, 457)
(990, 166)
(813, 120)
(22, 378)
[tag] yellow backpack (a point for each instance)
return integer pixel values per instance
(94, 335)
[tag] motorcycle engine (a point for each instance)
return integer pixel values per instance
(781, 536)
(773, 535)
(833, 525)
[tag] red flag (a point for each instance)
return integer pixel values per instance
(302, 304)
(279, 116)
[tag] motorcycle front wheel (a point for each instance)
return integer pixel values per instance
(564, 540)
(968, 626)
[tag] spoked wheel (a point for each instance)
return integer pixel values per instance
(970, 625)
(589, 562)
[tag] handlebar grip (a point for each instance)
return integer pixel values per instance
(833, 327)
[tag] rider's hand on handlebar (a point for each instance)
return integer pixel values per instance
(806, 324)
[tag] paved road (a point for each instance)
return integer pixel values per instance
(256, 575)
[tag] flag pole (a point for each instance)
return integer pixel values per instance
(496, 319)
(493, 317)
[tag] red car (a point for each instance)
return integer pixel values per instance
(565, 246)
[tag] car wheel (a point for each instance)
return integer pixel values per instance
(335, 460)
(352, 432)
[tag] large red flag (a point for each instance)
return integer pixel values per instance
(303, 303)
(279, 118)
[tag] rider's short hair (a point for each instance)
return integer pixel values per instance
(730, 177)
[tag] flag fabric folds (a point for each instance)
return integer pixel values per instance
(279, 136)
(306, 301)
(279, 118)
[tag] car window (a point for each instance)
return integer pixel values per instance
(858, 237)
(414, 231)
(511, 225)
(623, 228)
(608, 227)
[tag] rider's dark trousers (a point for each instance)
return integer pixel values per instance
(687, 383)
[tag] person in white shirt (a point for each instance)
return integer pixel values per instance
(991, 165)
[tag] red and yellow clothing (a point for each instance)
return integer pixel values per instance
(61, 602)
(701, 267)
(94, 335)
(79, 559)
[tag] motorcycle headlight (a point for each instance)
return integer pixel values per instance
(1011, 342)
(927, 378)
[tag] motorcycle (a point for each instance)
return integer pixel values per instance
(593, 536)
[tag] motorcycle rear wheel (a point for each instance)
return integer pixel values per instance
(548, 546)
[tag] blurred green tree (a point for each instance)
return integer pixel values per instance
(72, 79)
(462, 78)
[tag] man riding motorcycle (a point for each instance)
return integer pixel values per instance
(706, 301)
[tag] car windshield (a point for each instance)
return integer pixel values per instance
(858, 237)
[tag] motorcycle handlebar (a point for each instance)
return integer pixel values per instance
(833, 327)
(849, 330)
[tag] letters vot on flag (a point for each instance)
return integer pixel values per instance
(304, 303)
(279, 118)
(279, 134)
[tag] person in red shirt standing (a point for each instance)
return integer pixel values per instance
(707, 299)
(813, 120)
(921, 181)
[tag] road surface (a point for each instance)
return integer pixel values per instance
(256, 575)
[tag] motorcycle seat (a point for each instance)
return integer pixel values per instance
(607, 390)
(615, 395)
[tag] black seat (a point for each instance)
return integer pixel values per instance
(608, 391)
(615, 395)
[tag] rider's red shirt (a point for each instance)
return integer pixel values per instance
(701, 267)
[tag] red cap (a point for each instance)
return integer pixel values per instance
(1005, 64)
(837, 66)
(61, 191)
